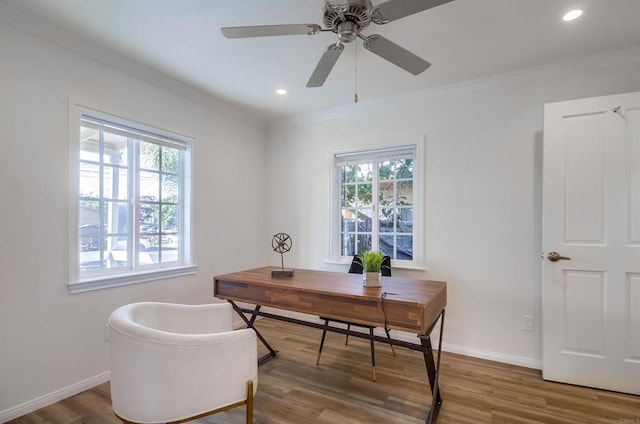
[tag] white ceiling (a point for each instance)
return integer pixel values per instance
(464, 40)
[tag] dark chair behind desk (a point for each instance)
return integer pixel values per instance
(356, 268)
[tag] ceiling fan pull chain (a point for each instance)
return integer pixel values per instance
(355, 96)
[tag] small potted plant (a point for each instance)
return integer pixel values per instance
(371, 263)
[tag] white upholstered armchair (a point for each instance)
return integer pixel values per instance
(174, 362)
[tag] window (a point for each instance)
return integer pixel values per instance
(377, 203)
(132, 192)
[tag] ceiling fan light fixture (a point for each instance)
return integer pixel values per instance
(571, 15)
(347, 32)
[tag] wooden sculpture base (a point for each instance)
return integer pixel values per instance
(282, 273)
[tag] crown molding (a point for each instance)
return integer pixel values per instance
(556, 70)
(94, 51)
(71, 41)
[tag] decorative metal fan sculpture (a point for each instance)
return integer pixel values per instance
(281, 243)
(348, 20)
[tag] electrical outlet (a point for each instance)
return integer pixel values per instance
(106, 332)
(527, 323)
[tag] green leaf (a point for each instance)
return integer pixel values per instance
(371, 260)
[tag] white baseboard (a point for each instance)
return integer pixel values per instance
(53, 397)
(520, 361)
(411, 338)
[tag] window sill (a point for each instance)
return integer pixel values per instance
(131, 278)
(394, 265)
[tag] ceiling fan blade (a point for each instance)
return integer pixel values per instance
(395, 54)
(324, 67)
(396, 9)
(270, 30)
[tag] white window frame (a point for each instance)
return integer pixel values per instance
(81, 282)
(418, 260)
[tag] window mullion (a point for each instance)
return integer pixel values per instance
(160, 229)
(374, 203)
(396, 211)
(181, 217)
(101, 217)
(134, 206)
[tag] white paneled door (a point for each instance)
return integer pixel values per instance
(591, 242)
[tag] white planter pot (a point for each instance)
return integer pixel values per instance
(371, 279)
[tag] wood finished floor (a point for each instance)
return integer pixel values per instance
(292, 390)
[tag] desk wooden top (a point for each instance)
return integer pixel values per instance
(408, 305)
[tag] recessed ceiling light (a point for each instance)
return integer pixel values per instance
(571, 15)
(281, 91)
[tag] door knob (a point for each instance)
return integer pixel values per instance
(555, 257)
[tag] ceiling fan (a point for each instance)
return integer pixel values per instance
(348, 20)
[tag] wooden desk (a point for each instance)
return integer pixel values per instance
(404, 304)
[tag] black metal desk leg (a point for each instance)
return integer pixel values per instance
(324, 334)
(373, 353)
(433, 371)
(272, 352)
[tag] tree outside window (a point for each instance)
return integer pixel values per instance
(130, 199)
(377, 202)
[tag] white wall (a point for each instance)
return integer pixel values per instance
(483, 196)
(483, 192)
(51, 342)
